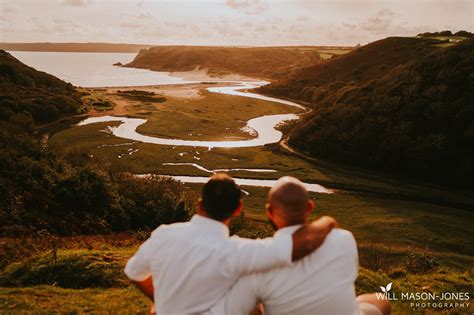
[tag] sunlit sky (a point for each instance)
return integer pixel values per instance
(228, 22)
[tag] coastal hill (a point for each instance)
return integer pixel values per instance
(266, 62)
(28, 96)
(362, 65)
(398, 104)
(74, 47)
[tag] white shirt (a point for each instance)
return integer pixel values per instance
(321, 283)
(194, 264)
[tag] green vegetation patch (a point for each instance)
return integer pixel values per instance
(142, 96)
(129, 300)
(51, 299)
(213, 116)
(69, 269)
(97, 101)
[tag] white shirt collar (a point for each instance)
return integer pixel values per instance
(288, 230)
(210, 225)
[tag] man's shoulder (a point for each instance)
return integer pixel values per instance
(173, 228)
(341, 238)
(237, 239)
(339, 233)
(243, 241)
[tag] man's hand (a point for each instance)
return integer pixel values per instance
(311, 236)
(146, 286)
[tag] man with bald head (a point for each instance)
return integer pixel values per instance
(321, 283)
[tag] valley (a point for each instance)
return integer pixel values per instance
(410, 231)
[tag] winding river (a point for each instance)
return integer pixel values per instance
(99, 72)
(264, 127)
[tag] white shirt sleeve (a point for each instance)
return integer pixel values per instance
(138, 267)
(261, 255)
(240, 299)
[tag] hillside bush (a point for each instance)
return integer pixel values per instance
(68, 269)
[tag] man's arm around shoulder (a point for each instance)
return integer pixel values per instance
(253, 256)
(311, 236)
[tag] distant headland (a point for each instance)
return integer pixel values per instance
(74, 47)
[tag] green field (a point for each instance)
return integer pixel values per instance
(401, 225)
(209, 117)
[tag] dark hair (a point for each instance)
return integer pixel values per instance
(220, 197)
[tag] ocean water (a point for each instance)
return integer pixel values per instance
(94, 69)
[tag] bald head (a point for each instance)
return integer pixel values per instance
(289, 200)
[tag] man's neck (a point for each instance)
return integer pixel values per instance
(288, 224)
(203, 214)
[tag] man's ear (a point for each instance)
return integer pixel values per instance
(268, 211)
(239, 208)
(200, 208)
(309, 208)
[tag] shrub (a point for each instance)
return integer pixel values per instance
(397, 273)
(68, 269)
(375, 257)
(420, 262)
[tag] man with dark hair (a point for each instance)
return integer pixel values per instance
(320, 283)
(185, 268)
(221, 197)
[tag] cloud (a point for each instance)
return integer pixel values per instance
(251, 7)
(77, 3)
(131, 25)
(238, 4)
(229, 22)
(380, 23)
(303, 18)
(62, 25)
(384, 22)
(145, 16)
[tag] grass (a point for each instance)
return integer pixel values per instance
(50, 299)
(89, 269)
(207, 118)
(128, 300)
(69, 269)
(328, 53)
(445, 41)
(142, 96)
(97, 100)
(85, 274)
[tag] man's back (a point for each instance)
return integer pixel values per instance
(322, 283)
(194, 263)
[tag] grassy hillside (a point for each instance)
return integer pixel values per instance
(364, 64)
(400, 104)
(29, 97)
(268, 62)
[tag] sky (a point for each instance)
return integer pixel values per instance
(228, 22)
